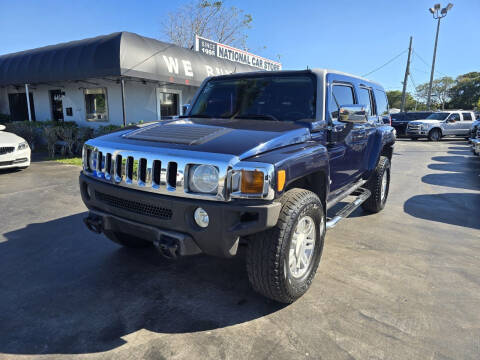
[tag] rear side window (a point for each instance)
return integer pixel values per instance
(341, 95)
(382, 102)
(467, 116)
(365, 98)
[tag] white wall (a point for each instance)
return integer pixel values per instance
(140, 100)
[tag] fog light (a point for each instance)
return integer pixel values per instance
(201, 217)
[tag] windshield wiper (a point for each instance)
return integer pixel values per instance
(256, 116)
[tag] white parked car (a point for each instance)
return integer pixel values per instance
(14, 150)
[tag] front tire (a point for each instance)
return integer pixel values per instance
(434, 135)
(379, 186)
(282, 261)
(127, 240)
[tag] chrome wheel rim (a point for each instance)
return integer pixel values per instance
(383, 190)
(302, 247)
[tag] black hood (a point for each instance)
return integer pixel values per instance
(238, 137)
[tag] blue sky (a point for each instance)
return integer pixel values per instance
(347, 35)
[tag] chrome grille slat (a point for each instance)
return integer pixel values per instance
(118, 169)
(108, 166)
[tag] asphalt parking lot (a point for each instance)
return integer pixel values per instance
(401, 284)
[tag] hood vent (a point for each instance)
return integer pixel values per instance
(186, 134)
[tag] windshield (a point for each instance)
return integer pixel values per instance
(266, 97)
(437, 116)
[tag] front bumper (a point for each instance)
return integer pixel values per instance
(139, 213)
(417, 133)
(17, 158)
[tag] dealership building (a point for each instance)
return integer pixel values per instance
(116, 79)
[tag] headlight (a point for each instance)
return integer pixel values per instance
(22, 146)
(424, 127)
(92, 160)
(203, 179)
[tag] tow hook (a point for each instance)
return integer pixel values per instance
(168, 247)
(94, 223)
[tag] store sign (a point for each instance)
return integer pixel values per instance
(212, 48)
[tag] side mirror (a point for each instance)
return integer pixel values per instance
(185, 108)
(354, 114)
(2, 127)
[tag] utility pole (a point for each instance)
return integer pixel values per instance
(429, 96)
(437, 15)
(407, 72)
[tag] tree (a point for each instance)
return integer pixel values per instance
(210, 19)
(395, 100)
(440, 91)
(465, 94)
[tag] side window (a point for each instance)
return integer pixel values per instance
(341, 95)
(365, 98)
(454, 117)
(467, 116)
(382, 102)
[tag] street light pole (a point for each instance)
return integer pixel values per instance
(438, 15)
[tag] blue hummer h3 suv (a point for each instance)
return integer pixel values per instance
(259, 158)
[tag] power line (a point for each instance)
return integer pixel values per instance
(413, 82)
(427, 64)
(388, 62)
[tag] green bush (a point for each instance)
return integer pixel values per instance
(24, 129)
(5, 118)
(50, 133)
(103, 130)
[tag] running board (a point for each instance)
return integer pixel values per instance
(362, 195)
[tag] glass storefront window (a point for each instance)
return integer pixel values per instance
(96, 106)
(168, 104)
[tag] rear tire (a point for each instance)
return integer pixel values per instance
(379, 185)
(127, 240)
(275, 256)
(434, 135)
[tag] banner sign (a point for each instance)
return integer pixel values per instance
(212, 48)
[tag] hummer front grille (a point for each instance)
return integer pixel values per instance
(164, 173)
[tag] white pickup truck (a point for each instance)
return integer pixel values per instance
(441, 124)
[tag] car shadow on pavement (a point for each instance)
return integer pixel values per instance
(462, 172)
(65, 290)
(460, 209)
(10, 170)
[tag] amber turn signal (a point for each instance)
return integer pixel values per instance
(252, 182)
(280, 180)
